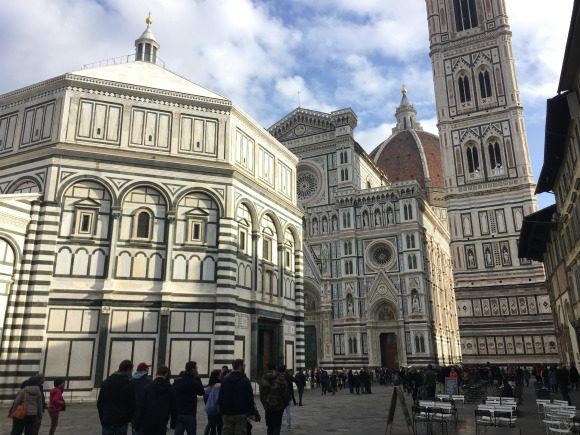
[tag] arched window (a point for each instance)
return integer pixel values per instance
(472, 159)
(465, 14)
(143, 225)
(498, 161)
(414, 262)
(408, 238)
(410, 211)
(412, 241)
(405, 212)
(491, 153)
(484, 84)
(417, 344)
(422, 343)
(464, 89)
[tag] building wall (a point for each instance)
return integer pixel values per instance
(134, 249)
(375, 256)
(489, 185)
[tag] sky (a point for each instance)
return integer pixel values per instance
(268, 56)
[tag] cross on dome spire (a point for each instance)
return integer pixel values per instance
(406, 114)
(146, 46)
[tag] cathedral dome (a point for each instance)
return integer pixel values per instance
(410, 153)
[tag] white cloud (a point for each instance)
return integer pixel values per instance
(372, 137)
(293, 91)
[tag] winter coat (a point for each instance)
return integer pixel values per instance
(31, 397)
(236, 395)
(300, 380)
(56, 401)
(140, 380)
(155, 405)
(116, 401)
(186, 388)
(274, 392)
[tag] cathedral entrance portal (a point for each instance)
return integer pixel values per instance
(389, 354)
(311, 359)
(269, 343)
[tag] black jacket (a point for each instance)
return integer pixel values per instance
(116, 402)
(186, 388)
(236, 395)
(155, 404)
(300, 379)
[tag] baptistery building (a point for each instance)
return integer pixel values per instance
(144, 217)
(378, 283)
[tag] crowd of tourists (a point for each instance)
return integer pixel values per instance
(135, 401)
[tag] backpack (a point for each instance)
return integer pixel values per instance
(212, 406)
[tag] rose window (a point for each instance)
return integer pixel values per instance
(307, 185)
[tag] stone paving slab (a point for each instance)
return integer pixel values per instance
(340, 414)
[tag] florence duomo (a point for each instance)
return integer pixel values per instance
(158, 237)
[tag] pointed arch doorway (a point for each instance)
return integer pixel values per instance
(386, 334)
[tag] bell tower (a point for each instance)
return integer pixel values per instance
(503, 306)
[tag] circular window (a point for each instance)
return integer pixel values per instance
(307, 185)
(380, 254)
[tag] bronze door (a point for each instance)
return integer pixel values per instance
(389, 355)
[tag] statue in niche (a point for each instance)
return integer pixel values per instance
(470, 258)
(483, 222)
(365, 219)
(377, 217)
(315, 226)
(415, 304)
(390, 215)
(467, 225)
(324, 225)
(349, 305)
(506, 255)
(334, 223)
(488, 257)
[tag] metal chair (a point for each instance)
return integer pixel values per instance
(483, 417)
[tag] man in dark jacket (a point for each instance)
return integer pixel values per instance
(155, 405)
(186, 388)
(300, 380)
(236, 400)
(116, 401)
(140, 380)
(275, 397)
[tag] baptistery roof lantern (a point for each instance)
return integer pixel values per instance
(406, 114)
(146, 46)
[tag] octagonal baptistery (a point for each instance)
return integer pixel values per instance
(412, 154)
(163, 228)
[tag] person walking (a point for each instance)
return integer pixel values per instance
(212, 409)
(350, 380)
(116, 401)
(236, 401)
(155, 405)
(186, 387)
(275, 397)
(27, 407)
(300, 381)
(324, 382)
(574, 377)
(563, 377)
(140, 380)
(55, 404)
(430, 382)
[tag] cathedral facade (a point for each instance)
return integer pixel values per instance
(378, 286)
(502, 302)
(145, 218)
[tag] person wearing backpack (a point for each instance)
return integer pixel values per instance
(212, 409)
(26, 410)
(55, 404)
(236, 401)
(275, 397)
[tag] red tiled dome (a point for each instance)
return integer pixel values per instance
(400, 158)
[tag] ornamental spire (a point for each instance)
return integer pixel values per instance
(406, 114)
(146, 46)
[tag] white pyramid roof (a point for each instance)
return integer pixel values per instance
(149, 75)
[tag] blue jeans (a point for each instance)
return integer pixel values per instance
(185, 423)
(116, 430)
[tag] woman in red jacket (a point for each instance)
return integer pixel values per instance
(55, 404)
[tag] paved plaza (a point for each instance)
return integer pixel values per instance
(340, 414)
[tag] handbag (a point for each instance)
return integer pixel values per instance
(20, 411)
